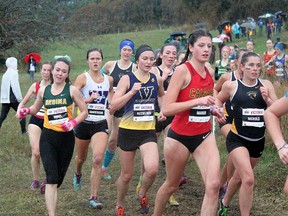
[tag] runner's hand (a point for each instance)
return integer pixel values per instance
(68, 126)
(23, 112)
(207, 100)
(161, 117)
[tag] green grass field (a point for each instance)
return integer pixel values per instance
(17, 199)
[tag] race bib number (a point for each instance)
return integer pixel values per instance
(57, 115)
(199, 114)
(96, 112)
(143, 112)
(253, 117)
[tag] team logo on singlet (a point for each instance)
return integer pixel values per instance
(146, 92)
(198, 92)
(101, 95)
(252, 94)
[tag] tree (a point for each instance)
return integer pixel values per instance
(26, 25)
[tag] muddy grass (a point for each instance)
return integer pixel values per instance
(17, 199)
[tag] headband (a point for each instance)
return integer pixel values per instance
(68, 58)
(127, 42)
(142, 49)
(279, 46)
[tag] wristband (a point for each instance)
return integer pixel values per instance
(68, 126)
(74, 122)
(212, 109)
(24, 112)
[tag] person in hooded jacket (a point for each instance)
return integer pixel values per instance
(11, 94)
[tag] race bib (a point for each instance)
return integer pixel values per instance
(143, 112)
(253, 117)
(199, 114)
(57, 115)
(96, 112)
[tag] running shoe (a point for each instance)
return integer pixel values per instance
(183, 181)
(95, 203)
(119, 211)
(43, 186)
(138, 186)
(222, 211)
(173, 201)
(105, 174)
(144, 206)
(77, 181)
(34, 185)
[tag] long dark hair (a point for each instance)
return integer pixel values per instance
(67, 80)
(193, 37)
(159, 60)
(247, 55)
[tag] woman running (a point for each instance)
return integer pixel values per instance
(35, 125)
(189, 97)
(164, 67)
(224, 64)
(137, 93)
(57, 138)
(116, 69)
(228, 168)
(267, 55)
(96, 88)
(249, 97)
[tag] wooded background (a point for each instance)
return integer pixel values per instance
(27, 25)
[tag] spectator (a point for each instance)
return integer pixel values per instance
(260, 24)
(235, 29)
(228, 31)
(31, 68)
(10, 92)
(219, 28)
(269, 28)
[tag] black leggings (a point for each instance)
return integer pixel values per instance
(56, 150)
(5, 110)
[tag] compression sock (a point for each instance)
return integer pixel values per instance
(108, 156)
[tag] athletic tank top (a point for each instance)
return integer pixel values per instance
(267, 57)
(248, 111)
(196, 120)
(139, 110)
(118, 72)
(96, 108)
(165, 85)
(223, 69)
(58, 108)
(40, 113)
(167, 81)
(280, 66)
